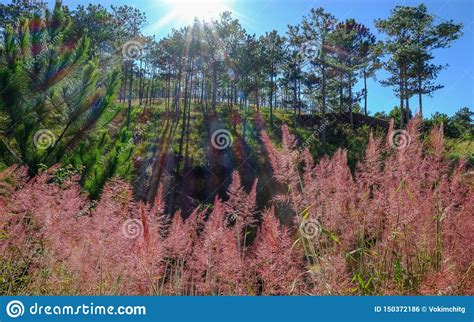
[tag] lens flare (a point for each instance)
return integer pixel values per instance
(185, 11)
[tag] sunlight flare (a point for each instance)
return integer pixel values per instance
(184, 11)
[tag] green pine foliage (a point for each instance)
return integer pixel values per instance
(51, 93)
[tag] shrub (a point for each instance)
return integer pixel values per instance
(401, 224)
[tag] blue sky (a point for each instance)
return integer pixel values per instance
(258, 16)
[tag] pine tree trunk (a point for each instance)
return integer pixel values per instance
(188, 121)
(341, 93)
(350, 101)
(420, 97)
(271, 100)
(295, 97)
(323, 95)
(214, 86)
(140, 84)
(365, 93)
(130, 88)
(257, 101)
(407, 100)
(401, 92)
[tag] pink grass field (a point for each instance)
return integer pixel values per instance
(403, 223)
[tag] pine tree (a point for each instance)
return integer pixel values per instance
(51, 94)
(412, 36)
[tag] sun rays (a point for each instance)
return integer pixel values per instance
(178, 13)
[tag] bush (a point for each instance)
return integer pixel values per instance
(402, 224)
